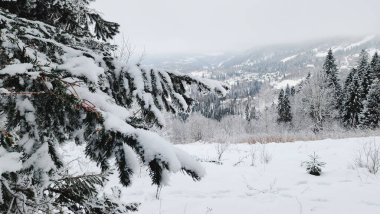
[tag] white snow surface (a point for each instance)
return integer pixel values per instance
(9, 161)
(202, 73)
(363, 41)
(16, 68)
(346, 48)
(321, 54)
(289, 58)
(280, 186)
(282, 84)
(82, 66)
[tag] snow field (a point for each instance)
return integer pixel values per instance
(279, 186)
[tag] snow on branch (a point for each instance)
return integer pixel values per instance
(77, 91)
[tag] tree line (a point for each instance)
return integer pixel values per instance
(324, 100)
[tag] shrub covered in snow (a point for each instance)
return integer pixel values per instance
(314, 166)
(368, 156)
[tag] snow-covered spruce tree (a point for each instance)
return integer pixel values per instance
(288, 91)
(292, 91)
(250, 112)
(356, 89)
(352, 104)
(375, 66)
(370, 115)
(364, 75)
(247, 112)
(283, 108)
(331, 71)
(280, 101)
(58, 83)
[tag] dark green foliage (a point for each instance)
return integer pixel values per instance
(364, 75)
(125, 171)
(82, 192)
(284, 108)
(292, 91)
(358, 103)
(375, 66)
(156, 170)
(352, 104)
(288, 91)
(250, 112)
(370, 115)
(72, 16)
(76, 189)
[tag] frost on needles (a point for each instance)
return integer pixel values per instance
(60, 83)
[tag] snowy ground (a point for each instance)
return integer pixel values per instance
(279, 186)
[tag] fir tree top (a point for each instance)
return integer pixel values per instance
(329, 66)
(375, 66)
(363, 61)
(330, 72)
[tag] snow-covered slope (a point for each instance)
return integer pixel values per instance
(274, 66)
(279, 186)
(291, 58)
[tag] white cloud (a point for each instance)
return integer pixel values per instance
(169, 26)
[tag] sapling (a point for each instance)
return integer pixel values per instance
(314, 166)
(221, 148)
(265, 156)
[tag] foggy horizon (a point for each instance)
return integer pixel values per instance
(217, 26)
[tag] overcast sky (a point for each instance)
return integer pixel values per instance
(207, 26)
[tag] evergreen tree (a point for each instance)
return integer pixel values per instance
(303, 83)
(331, 71)
(352, 104)
(356, 89)
(247, 112)
(254, 114)
(287, 110)
(370, 115)
(283, 108)
(280, 103)
(375, 67)
(58, 83)
(314, 166)
(364, 75)
(293, 91)
(288, 91)
(250, 112)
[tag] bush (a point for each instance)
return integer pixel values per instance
(369, 157)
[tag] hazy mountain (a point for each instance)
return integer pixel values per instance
(289, 59)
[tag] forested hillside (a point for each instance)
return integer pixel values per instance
(322, 103)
